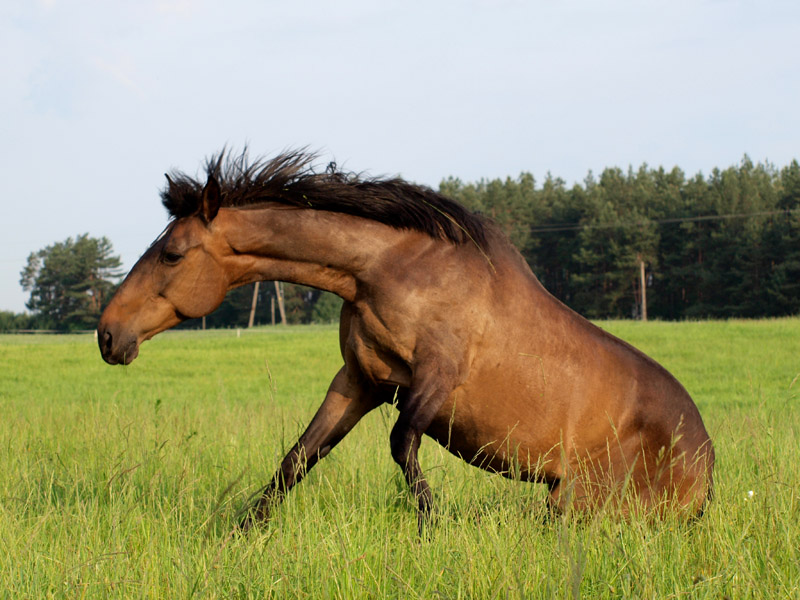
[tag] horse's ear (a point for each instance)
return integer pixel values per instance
(211, 200)
(171, 187)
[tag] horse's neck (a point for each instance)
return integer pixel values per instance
(325, 250)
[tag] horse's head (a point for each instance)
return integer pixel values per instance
(178, 277)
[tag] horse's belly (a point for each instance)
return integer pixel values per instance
(526, 414)
(511, 431)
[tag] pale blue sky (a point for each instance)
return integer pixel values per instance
(100, 98)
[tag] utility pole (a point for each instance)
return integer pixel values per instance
(643, 285)
(253, 306)
(281, 306)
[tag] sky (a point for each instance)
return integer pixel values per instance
(99, 98)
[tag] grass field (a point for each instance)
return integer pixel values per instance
(124, 482)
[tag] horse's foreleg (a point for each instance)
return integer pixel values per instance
(346, 402)
(417, 411)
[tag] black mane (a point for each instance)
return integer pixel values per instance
(291, 179)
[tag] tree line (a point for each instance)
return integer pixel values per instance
(725, 245)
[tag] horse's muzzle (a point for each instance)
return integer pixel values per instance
(116, 348)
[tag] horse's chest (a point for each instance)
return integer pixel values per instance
(378, 363)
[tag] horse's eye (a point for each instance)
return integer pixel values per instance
(171, 258)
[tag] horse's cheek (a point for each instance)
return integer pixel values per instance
(199, 294)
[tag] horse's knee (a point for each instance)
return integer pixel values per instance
(399, 447)
(403, 443)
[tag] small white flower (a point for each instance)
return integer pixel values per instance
(750, 494)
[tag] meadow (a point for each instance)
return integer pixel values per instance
(125, 482)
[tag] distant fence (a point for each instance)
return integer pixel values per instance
(48, 331)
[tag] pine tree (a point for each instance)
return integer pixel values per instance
(70, 282)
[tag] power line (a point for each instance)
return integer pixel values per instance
(578, 226)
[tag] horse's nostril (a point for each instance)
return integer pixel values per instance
(107, 341)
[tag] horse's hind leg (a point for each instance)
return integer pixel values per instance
(348, 399)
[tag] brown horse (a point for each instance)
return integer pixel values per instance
(442, 316)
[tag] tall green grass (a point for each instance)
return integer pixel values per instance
(125, 482)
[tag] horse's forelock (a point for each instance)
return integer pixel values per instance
(182, 195)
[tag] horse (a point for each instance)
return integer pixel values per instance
(442, 317)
